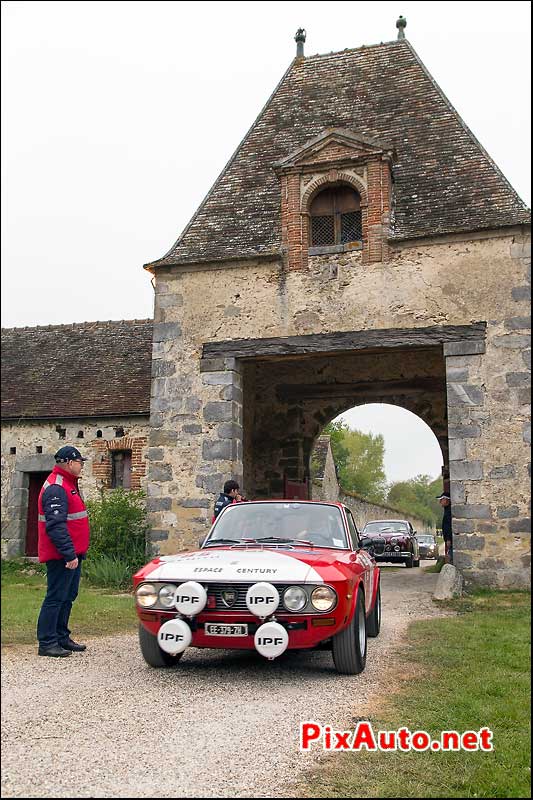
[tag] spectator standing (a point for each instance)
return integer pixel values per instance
(227, 497)
(63, 531)
(446, 503)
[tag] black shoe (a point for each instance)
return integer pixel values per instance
(55, 651)
(74, 646)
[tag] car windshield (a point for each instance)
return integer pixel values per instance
(426, 539)
(280, 523)
(386, 527)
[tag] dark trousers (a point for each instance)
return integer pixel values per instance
(62, 590)
(448, 549)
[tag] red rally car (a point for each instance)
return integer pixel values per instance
(270, 576)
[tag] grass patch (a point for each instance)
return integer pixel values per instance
(436, 567)
(465, 672)
(96, 612)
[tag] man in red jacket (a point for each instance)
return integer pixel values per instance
(63, 528)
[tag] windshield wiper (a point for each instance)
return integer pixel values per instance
(272, 539)
(222, 541)
(286, 541)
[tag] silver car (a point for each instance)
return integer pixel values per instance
(428, 546)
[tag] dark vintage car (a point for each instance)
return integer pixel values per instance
(427, 545)
(401, 546)
(270, 576)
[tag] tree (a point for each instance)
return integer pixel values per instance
(417, 496)
(359, 459)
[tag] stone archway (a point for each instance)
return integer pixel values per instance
(281, 392)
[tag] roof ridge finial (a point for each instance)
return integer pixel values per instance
(401, 24)
(300, 39)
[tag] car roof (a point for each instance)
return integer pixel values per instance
(387, 520)
(292, 500)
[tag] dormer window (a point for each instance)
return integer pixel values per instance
(335, 217)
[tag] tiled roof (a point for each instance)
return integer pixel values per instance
(444, 180)
(80, 370)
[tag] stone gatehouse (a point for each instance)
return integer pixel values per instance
(360, 246)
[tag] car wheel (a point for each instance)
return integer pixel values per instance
(409, 562)
(152, 653)
(350, 645)
(373, 622)
(416, 563)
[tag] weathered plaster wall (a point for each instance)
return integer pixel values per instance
(452, 282)
(27, 437)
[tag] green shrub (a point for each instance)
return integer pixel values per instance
(107, 571)
(119, 531)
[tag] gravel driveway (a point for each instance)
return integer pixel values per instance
(222, 724)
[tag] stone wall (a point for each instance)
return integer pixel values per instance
(202, 430)
(28, 447)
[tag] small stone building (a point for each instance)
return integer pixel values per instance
(359, 246)
(87, 385)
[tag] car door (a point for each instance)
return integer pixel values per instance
(364, 559)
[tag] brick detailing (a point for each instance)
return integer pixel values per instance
(102, 459)
(375, 202)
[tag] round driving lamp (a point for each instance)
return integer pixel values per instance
(323, 598)
(294, 598)
(394, 540)
(166, 596)
(146, 595)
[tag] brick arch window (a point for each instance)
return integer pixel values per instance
(335, 215)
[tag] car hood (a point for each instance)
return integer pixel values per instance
(223, 564)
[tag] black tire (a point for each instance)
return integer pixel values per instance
(349, 653)
(152, 653)
(416, 563)
(409, 562)
(373, 621)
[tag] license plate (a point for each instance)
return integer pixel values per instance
(214, 629)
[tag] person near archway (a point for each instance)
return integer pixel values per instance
(231, 494)
(446, 503)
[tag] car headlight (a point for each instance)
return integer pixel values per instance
(166, 595)
(323, 598)
(146, 595)
(394, 540)
(294, 598)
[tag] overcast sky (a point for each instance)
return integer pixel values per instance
(117, 118)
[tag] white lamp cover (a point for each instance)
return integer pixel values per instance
(174, 636)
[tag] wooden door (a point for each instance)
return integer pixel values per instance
(296, 490)
(36, 484)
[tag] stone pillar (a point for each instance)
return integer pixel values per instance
(222, 444)
(195, 441)
(488, 444)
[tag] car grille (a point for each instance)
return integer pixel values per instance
(216, 589)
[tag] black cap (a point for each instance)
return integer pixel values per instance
(69, 454)
(443, 496)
